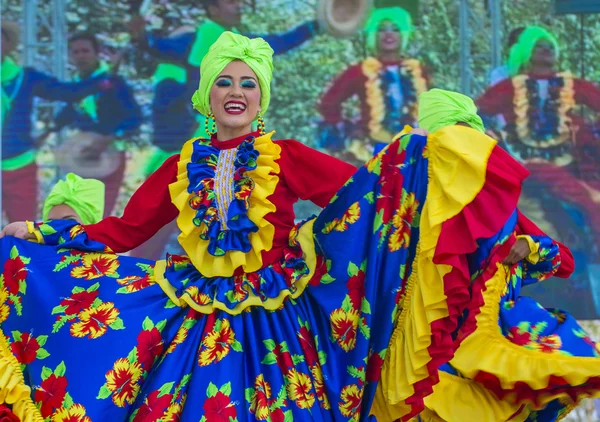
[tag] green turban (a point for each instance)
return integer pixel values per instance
(166, 71)
(397, 15)
(439, 108)
(256, 53)
(85, 196)
(521, 51)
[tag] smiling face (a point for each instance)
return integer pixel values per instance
(543, 54)
(389, 37)
(235, 99)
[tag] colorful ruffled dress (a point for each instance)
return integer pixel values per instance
(353, 315)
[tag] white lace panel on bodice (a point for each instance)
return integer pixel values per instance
(224, 174)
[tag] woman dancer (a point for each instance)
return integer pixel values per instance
(387, 85)
(263, 319)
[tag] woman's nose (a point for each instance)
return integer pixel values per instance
(236, 91)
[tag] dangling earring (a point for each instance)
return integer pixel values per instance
(260, 125)
(213, 128)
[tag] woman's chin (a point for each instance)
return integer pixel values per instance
(235, 120)
(238, 126)
(390, 47)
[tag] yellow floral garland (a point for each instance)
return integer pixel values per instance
(371, 68)
(521, 109)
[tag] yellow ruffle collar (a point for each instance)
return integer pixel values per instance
(265, 177)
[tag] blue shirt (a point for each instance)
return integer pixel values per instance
(17, 125)
(117, 112)
(172, 117)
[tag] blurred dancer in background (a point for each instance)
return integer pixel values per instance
(172, 124)
(544, 131)
(20, 85)
(387, 84)
(110, 118)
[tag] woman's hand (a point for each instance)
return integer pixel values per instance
(418, 131)
(17, 229)
(113, 57)
(493, 134)
(518, 252)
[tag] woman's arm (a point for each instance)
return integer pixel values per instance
(587, 93)
(310, 174)
(148, 210)
(547, 257)
(341, 89)
(496, 99)
(51, 88)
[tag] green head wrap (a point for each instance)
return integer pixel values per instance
(256, 53)
(439, 108)
(521, 51)
(85, 196)
(166, 71)
(400, 17)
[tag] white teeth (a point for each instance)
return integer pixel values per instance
(235, 107)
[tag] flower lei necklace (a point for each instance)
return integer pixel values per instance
(409, 69)
(551, 125)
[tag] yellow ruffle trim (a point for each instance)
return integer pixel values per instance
(534, 249)
(13, 390)
(265, 177)
(457, 168)
(488, 350)
(456, 399)
(304, 237)
(31, 229)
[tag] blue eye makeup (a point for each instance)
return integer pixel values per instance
(248, 84)
(224, 82)
(388, 27)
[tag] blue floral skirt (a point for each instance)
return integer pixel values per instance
(351, 325)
